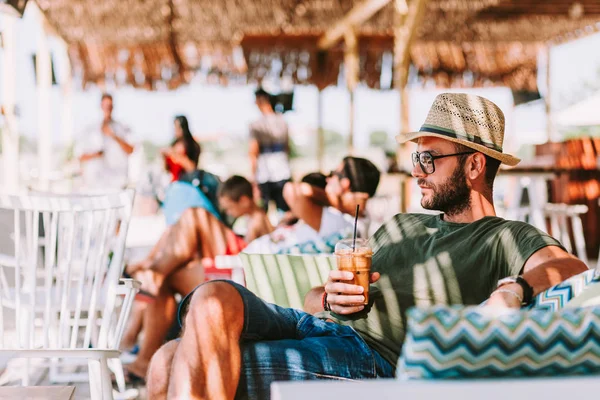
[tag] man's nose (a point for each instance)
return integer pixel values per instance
(417, 171)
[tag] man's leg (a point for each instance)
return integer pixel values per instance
(207, 361)
(160, 370)
(221, 313)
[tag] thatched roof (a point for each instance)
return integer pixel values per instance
(167, 42)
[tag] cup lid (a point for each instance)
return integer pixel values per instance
(346, 244)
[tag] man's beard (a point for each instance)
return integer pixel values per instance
(451, 197)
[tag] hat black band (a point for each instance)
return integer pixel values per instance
(454, 135)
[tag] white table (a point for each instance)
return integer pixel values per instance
(388, 389)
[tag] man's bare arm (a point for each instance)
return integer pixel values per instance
(90, 156)
(549, 267)
(301, 198)
(545, 268)
(253, 152)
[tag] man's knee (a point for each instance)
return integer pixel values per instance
(215, 300)
(160, 370)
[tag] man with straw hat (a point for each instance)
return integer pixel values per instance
(234, 344)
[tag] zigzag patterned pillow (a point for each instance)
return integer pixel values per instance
(469, 342)
(558, 296)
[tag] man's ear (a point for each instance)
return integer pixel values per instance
(345, 184)
(476, 167)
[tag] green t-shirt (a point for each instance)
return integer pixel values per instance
(424, 260)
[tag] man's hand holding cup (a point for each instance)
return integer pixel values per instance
(347, 288)
(343, 296)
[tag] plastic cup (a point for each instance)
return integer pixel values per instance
(357, 260)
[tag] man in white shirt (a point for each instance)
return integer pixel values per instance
(269, 152)
(104, 151)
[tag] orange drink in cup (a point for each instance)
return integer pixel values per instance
(356, 258)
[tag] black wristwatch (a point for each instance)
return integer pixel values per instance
(527, 289)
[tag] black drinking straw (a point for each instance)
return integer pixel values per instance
(355, 223)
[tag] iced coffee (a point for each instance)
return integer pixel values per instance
(356, 258)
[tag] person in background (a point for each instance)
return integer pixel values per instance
(104, 151)
(269, 152)
(325, 215)
(236, 200)
(316, 179)
(184, 152)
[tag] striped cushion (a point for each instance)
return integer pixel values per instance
(468, 342)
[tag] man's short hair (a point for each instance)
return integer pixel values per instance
(235, 188)
(106, 96)
(363, 175)
(491, 164)
(315, 179)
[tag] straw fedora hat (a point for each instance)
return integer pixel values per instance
(467, 119)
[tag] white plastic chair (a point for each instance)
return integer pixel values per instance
(66, 298)
(563, 215)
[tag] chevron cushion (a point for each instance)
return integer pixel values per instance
(558, 296)
(469, 342)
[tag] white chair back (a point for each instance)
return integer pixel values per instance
(62, 289)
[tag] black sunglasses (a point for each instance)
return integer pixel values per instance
(426, 159)
(336, 173)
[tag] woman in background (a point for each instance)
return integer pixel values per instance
(184, 152)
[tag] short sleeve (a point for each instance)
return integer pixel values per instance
(520, 242)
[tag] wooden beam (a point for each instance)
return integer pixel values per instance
(358, 15)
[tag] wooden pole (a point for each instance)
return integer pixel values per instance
(407, 17)
(320, 131)
(548, 97)
(351, 61)
(44, 85)
(10, 130)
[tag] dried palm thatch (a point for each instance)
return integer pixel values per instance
(165, 43)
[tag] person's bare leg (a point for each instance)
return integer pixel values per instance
(134, 327)
(196, 233)
(158, 318)
(160, 370)
(161, 313)
(207, 361)
(147, 260)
